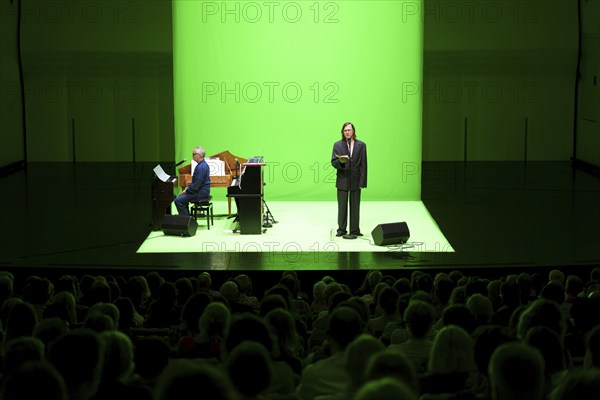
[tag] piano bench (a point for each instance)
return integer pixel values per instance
(203, 207)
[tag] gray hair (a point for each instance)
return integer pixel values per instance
(200, 150)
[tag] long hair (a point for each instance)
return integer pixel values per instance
(353, 129)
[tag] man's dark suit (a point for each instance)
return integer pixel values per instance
(351, 178)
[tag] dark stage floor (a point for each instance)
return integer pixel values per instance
(494, 214)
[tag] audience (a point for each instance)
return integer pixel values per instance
(451, 336)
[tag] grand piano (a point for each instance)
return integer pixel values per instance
(232, 169)
(244, 183)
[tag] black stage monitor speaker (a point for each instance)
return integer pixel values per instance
(179, 225)
(392, 233)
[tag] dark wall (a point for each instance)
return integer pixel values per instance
(498, 80)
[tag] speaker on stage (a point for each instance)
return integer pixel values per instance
(179, 225)
(392, 233)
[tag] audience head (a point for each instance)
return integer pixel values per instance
(187, 379)
(118, 356)
(154, 282)
(553, 291)
(246, 326)
(319, 292)
(229, 291)
(127, 313)
(419, 318)
(385, 389)
(593, 347)
(214, 321)
(460, 315)
(394, 364)
(6, 287)
(249, 368)
(282, 324)
(193, 308)
(487, 339)
(541, 313)
(510, 294)
(443, 290)
(99, 291)
(64, 306)
(22, 320)
(283, 291)
(452, 351)
(516, 372)
(550, 346)
(184, 289)
(361, 307)
(108, 309)
(50, 329)
(373, 279)
(37, 290)
(34, 380)
(574, 285)
(78, 357)
(271, 302)
(357, 356)
(204, 281)
(556, 275)
(244, 284)
(21, 350)
(481, 307)
(344, 324)
(583, 384)
(138, 290)
(151, 355)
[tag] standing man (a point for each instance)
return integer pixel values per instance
(349, 158)
(199, 189)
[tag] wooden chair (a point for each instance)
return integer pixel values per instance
(203, 208)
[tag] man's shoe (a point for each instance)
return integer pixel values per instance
(350, 236)
(340, 234)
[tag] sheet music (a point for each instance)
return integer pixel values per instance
(216, 166)
(162, 175)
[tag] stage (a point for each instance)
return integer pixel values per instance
(305, 227)
(482, 215)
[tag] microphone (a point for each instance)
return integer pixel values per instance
(180, 162)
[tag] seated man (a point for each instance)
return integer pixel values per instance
(199, 188)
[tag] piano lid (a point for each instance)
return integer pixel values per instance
(230, 164)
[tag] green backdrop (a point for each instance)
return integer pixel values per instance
(279, 78)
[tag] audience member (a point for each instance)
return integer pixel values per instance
(34, 380)
(416, 344)
(385, 389)
(249, 369)
(192, 379)
(329, 376)
(451, 368)
(516, 372)
(78, 357)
